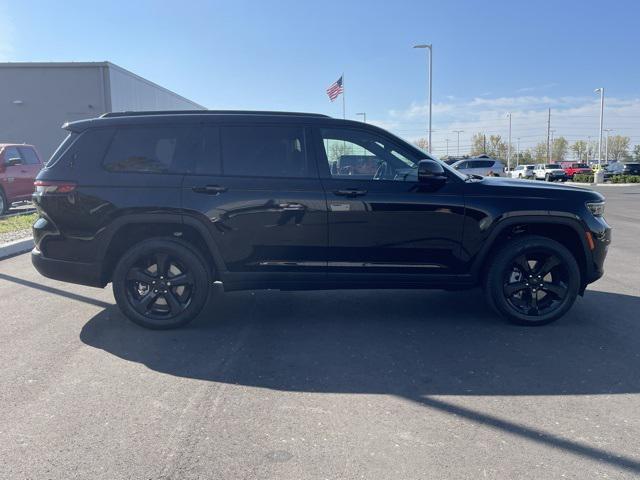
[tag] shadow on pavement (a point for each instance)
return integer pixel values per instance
(412, 344)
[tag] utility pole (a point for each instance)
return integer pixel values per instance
(517, 150)
(601, 92)
(509, 144)
(363, 115)
(549, 138)
(458, 132)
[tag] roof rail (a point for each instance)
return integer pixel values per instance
(208, 112)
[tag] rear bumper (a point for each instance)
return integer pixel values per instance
(73, 272)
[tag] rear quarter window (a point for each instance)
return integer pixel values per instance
(152, 149)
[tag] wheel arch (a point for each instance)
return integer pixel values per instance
(131, 229)
(567, 231)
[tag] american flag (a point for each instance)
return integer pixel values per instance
(335, 89)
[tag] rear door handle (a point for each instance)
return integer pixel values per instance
(210, 189)
(350, 192)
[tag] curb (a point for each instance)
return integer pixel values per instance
(581, 184)
(15, 248)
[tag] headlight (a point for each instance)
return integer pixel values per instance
(596, 208)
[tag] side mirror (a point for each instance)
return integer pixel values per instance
(12, 162)
(430, 171)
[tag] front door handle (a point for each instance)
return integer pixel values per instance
(210, 189)
(291, 206)
(350, 192)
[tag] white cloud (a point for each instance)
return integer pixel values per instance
(574, 118)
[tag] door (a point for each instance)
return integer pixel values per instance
(15, 180)
(257, 189)
(381, 220)
(32, 164)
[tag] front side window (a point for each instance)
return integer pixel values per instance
(10, 153)
(151, 149)
(357, 154)
(264, 151)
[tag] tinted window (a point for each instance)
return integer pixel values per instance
(553, 166)
(29, 155)
(264, 151)
(62, 148)
(151, 149)
(209, 162)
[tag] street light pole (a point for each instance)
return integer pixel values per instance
(430, 48)
(364, 116)
(458, 132)
(601, 92)
(606, 145)
(509, 144)
(518, 150)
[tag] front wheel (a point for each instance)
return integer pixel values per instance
(532, 281)
(161, 283)
(4, 205)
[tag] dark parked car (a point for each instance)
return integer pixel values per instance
(165, 204)
(19, 165)
(619, 168)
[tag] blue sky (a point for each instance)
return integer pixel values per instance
(489, 57)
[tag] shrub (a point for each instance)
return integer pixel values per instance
(583, 178)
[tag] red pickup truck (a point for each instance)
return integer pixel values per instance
(19, 166)
(573, 168)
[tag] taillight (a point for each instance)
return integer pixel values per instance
(45, 186)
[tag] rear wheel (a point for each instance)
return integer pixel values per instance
(533, 281)
(161, 283)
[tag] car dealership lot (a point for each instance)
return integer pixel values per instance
(343, 384)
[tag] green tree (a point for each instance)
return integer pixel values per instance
(579, 149)
(478, 144)
(618, 147)
(559, 149)
(539, 152)
(636, 153)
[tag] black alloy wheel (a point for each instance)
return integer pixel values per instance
(533, 281)
(161, 283)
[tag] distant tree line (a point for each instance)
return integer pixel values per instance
(618, 149)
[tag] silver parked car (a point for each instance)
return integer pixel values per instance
(523, 171)
(480, 166)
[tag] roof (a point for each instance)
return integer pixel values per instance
(195, 116)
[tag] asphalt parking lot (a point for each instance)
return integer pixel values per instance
(324, 385)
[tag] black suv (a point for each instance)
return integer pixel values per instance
(164, 204)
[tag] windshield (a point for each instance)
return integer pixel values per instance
(554, 166)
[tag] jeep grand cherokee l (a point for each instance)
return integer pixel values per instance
(164, 204)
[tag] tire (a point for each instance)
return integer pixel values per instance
(161, 283)
(4, 205)
(509, 283)
(520, 176)
(547, 178)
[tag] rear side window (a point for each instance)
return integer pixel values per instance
(209, 162)
(264, 151)
(29, 155)
(152, 149)
(62, 148)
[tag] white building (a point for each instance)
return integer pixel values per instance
(37, 98)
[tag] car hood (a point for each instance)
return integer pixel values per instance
(511, 187)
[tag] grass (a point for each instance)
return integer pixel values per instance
(17, 223)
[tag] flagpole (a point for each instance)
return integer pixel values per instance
(343, 90)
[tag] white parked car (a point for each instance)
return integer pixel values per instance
(550, 172)
(480, 166)
(523, 171)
